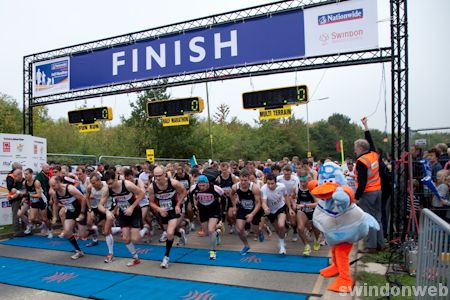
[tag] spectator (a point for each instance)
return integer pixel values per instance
(350, 175)
(433, 156)
(43, 176)
(368, 187)
(438, 204)
(417, 200)
(443, 155)
(14, 185)
(212, 172)
(386, 190)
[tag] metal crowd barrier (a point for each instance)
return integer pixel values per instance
(433, 267)
(76, 159)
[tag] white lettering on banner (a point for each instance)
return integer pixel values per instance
(159, 58)
(341, 17)
(218, 45)
(195, 45)
(177, 53)
(197, 49)
(135, 60)
(116, 62)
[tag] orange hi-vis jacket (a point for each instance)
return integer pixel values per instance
(370, 160)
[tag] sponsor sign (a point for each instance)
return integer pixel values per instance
(51, 77)
(30, 151)
(341, 27)
(277, 113)
(83, 128)
(175, 120)
(150, 154)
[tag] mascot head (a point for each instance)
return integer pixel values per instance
(330, 178)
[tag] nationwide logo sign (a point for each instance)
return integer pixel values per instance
(341, 16)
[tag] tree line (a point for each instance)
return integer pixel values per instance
(232, 138)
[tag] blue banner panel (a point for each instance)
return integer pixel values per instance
(259, 40)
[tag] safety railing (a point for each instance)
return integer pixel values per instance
(77, 159)
(71, 159)
(433, 267)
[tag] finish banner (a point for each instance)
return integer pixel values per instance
(328, 29)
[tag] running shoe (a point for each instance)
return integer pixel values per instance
(77, 255)
(212, 255)
(294, 238)
(50, 234)
(282, 250)
(316, 246)
(134, 262)
(307, 250)
(29, 229)
(163, 237)
(245, 250)
(201, 233)
(261, 236)
(165, 263)
(92, 244)
(109, 258)
(183, 239)
(231, 231)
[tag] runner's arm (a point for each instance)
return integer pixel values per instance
(79, 196)
(257, 192)
(181, 191)
(38, 188)
(103, 200)
(138, 193)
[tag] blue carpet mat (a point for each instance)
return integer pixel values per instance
(261, 261)
(100, 284)
(225, 258)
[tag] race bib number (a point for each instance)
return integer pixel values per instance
(123, 205)
(307, 209)
(273, 203)
(247, 204)
(166, 204)
(69, 207)
(35, 200)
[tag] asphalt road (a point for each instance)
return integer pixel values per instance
(311, 284)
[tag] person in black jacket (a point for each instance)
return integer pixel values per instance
(15, 195)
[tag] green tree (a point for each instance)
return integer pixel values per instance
(10, 115)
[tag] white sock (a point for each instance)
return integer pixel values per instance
(143, 231)
(132, 250)
(281, 242)
(116, 230)
(110, 243)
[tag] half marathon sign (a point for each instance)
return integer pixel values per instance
(280, 36)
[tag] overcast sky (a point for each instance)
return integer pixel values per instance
(33, 26)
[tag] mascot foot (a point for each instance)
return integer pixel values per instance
(341, 285)
(329, 271)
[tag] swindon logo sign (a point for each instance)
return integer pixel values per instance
(340, 16)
